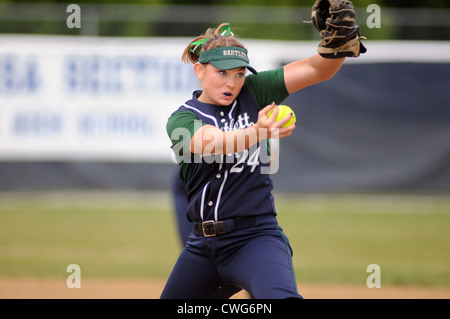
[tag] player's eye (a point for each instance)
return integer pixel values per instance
(222, 72)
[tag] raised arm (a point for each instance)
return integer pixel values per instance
(340, 37)
(306, 72)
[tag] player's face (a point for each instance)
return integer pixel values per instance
(220, 87)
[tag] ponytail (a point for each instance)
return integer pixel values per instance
(213, 38)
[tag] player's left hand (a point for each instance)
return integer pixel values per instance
(336, 22)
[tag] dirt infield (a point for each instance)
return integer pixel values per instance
(19, 288)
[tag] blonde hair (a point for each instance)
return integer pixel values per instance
(215, 40)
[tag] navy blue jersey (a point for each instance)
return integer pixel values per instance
(220, 187)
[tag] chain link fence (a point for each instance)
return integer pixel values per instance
(261, 22)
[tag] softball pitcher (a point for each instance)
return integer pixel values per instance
(219, 136)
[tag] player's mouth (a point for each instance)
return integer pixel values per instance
(228, 94)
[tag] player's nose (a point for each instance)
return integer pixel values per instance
(231, 82)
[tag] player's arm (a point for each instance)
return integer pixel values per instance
(306, 72)
(340, 37)
(209, 139)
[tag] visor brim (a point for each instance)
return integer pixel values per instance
(229, 64)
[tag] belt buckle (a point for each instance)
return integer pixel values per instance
(208, 228)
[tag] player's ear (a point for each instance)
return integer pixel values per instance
(199, 70)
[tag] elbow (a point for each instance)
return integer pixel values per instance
(329, 76)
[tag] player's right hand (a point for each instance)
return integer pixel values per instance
(274, 128)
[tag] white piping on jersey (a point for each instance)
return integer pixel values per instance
(219, 195)
(216, 209)
(230, 114)
(205, 115)
(225, 177)
(202, 204)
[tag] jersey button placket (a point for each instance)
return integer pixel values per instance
(222, 114)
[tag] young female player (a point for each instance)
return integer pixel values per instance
(218, 136)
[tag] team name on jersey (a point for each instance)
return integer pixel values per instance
(235, 53)
(241, 123)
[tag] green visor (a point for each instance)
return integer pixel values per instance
(227, 58)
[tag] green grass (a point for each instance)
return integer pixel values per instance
(117, 236)
(125, 235)
(336, 237)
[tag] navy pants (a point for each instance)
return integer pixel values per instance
(184, 229)
(257, 259)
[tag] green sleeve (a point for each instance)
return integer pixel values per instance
(181, 126)
(267, 87)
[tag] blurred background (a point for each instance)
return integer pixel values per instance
(86, 106)
(260, 19)
(83, 109)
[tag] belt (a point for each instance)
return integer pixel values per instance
(211, 228)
